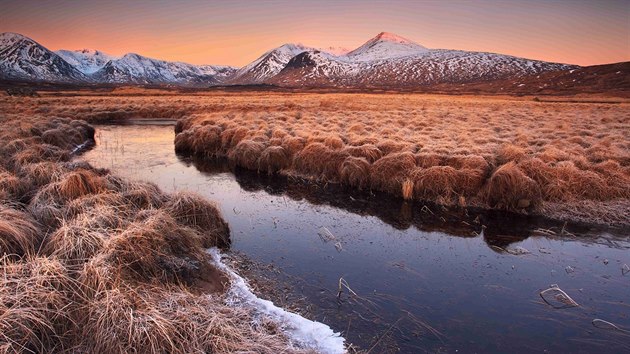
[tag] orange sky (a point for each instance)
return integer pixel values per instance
(237, 32)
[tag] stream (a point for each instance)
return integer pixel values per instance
(415, 278)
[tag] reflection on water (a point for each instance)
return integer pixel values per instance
(425, 279)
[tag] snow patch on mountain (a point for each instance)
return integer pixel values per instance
(386, 46)
(337, 51)
(87, 61)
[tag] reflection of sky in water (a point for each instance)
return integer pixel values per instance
(478, 299)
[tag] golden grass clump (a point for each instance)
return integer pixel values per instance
(509, 152)
(426, 160)
(435, 183)
(183, 142)
(154, 247)
(355, 172)
(232, 136)
(34, 306)
(293, 144)
(509, 188)
(105, 219)
(470, 182)
(407, 189)
(39, 153)
(42, 173)
(141, 195)
(47, 206)
(471, 162)
(334, 142)
(368, 151)
(79, 183)
(12, 188)
(119, 323)
(206, 140)
(20, 234)
(391, 146)
(273, 159)
(389, 172)
(73, 243)
(63, 138)
(319, 161)
(193, 211)
(246, 154)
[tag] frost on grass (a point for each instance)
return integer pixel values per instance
(305, 333)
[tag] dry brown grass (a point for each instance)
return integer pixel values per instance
(19, 232)
(34, 306)
(195, 212)
(246, 154)
(581, 151)
(510, 188)
(388, 173)
(573, 151)
(274, 159)
(355, 172)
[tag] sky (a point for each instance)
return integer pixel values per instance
(234, 32)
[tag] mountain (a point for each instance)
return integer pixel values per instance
(87, 61)
(386, 46)
(267, 65)
(136, 69)
(390, 61)
(610, 78)
(22, 58)
(386, 61)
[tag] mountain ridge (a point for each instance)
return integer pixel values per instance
(385, 61)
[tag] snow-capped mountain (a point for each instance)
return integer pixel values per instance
(87, 61)
(390, 61)
(385, 61)
(21, 58)
(267, 65)
(136, 69)
(386, 46)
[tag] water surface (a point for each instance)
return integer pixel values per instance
(426, 280)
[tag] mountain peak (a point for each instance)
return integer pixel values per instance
(89, 51)
(292, 47)
(86, 61)
(11, 37)
(24, 59)
(392, 37)
(386, 46)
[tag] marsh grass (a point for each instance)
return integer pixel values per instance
(467, 151)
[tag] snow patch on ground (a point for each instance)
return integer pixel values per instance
(304, 332)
